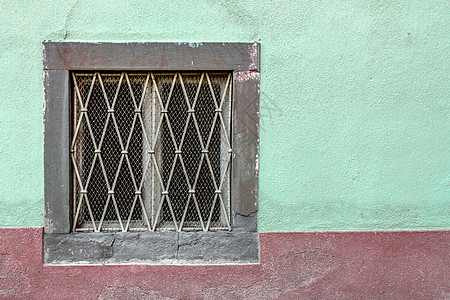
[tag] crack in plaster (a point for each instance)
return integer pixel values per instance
(69, 15)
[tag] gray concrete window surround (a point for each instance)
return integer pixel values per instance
(241, 244)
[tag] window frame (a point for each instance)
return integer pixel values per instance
(60, 58)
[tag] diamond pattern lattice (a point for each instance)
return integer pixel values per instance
(151, 151)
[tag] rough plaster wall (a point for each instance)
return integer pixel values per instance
(294, 265)
(355, 110)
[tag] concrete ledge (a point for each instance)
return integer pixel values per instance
(152, 248)
(151, 56)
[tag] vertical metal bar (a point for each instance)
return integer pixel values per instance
(211, 212)
(90, 212)
(223, 149)
(131, 212)
(77, 211)
(152, 143)
(104, 212)
(117, 212)
(145, 118)
(230, 112)
(74, 149)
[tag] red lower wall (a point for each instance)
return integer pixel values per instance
(294, 265)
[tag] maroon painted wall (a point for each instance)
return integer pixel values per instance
(341, 265)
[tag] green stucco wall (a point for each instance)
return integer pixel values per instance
(355, 101)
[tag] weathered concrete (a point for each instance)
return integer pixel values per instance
(151, 56)
(152, 248)
(218, 247)
(339, 265)
(57, 151)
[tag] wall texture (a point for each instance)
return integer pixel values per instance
(355, 136)
(355, 110)
(294, 265)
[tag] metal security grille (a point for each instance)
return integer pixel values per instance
(151, 151)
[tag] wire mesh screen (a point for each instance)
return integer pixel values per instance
(151, 151)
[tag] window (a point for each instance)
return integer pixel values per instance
(155, 140)
(151, 151)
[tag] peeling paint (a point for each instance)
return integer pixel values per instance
(44, 75)
(195, 45)
(254, 55)
(190, 44)
(248, 75)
